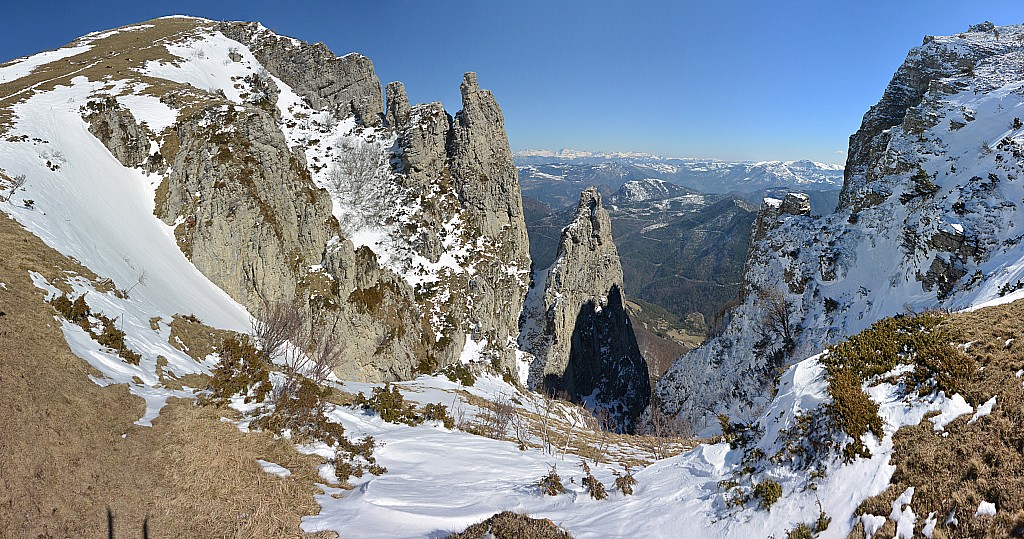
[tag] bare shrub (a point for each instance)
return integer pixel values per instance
(521, 431)
(17, 182)
(777, 318)
(357, 179)
(593, 485)
(308, 348)
(497, 416)
(625, 482)
(660, 429)
(607, 423)
(276, 323)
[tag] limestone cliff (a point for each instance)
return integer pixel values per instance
(929, 218)
(344, 85)
(575, 324)
(117, 129)
(467, 201)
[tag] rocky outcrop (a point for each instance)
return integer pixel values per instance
(462, 169)
(575, 324)
(253, 220)
(922, 70)
(398, 112)
(347, 85)
(928, 219)
(248, 215)
(117, 129)
(487, 183)
(772, 210)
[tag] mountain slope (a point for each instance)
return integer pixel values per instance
(928, 219)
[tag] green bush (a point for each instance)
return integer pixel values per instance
(389, 404)
(439, 412)
(918, 340)
(303, 413)
(74, 311)
(459, 372)
(768, 492)
(853, 412)
(241, 368)
(803, 531)
(352, 458)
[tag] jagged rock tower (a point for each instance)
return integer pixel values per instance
(575, 324)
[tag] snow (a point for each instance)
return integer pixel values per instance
(442, 480)
(983, 410)
(929, 525)
(903, 515)
(16, 69)
(158, 116)
(872, 523)
(986, 509)
(93, 209)
(473, 350)
(101, 213)
(950, 409)
(204, 63)
(275, 469)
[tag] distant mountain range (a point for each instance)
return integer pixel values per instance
(557, 177)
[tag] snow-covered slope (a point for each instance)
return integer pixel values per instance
(929, 219)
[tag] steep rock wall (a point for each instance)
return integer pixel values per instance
(575, 324)
(347, 85)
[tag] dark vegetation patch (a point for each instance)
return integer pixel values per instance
(104, 330)
(922, 341)
(190, 335)
(953, 472)
(509, 525)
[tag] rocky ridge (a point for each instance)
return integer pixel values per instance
(928, 219)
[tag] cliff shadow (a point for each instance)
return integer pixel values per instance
(605, 368)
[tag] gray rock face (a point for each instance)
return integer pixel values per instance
(929, 219)
(252, 215)
(251, 219)
(575, 324)
(347, 85)
(117, 129)
(486, 180)
(772, 210)
(920, 71)
(398, 105)
(464, 168)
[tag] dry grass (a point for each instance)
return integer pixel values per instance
(973, 463)
(194, 338)
(119, 57)
(582, 438)
(63, 456)
(509, 525)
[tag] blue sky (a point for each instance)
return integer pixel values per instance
(727, 79)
